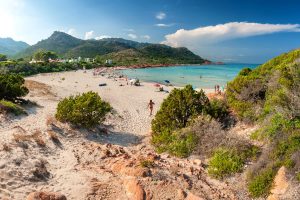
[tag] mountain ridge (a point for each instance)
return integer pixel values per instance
(68, 46)
(9, 46)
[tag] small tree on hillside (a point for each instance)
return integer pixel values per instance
(44, 55)
(3, 57)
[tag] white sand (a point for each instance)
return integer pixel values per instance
(130, 122)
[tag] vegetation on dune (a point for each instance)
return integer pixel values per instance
(173, 125)
(225, 161)
(270, 96)
(10, 107)
(86, 110)
(12, 87)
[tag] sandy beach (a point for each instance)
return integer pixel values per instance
(73, 165)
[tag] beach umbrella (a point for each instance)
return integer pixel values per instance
(167, 81)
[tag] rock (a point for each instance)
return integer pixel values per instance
(280, 184)
(134, 190)
(191, 196)
(45, 196)
(181, 194)
(197, 162)
(129, 169)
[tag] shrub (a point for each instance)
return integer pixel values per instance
(245, 71)
(176, 143)
(11, 107)
(86, 110)
(224, 162)
(11, 86)
(298, 176)
(53, 136)
(178, 109)
(262, 183)
(147, 163)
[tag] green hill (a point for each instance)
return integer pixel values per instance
(10, 47)
(269, 96)
(117, 49)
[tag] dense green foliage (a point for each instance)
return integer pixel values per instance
(3, 57)
(86, 110)
(262, 183)
(44, 55)
(177, 112)
(122, 52)
(179, 108)
(11, 87)
(10, 107)
(25, 69)
(270, 95)
(224, 162)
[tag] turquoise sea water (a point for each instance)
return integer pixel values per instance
(202, 76)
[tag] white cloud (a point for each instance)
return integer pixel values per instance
(163, 25)
(222, 32)
(102, 37)
(71, 31)
(161, 15)
(146, 37)
(132, 36)
(89, 35)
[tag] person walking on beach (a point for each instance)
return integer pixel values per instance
(150, 106)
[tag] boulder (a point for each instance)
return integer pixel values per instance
(134, 190)
(280, 184)
(191, 196)
(45, 196)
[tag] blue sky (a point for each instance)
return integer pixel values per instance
(226, 30)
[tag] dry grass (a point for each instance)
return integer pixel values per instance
(39, 89)
(53, 136)
(50, 121)
(22, 137)
(38, 138)
(6, 147)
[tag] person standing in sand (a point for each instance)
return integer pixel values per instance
(150, 106)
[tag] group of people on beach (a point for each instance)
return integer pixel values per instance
(219, 89)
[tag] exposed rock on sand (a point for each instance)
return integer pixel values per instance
(45, 196)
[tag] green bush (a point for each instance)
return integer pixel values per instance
(85, 110)
(178, 109)
(225, 162)
(218, 109)
(176, 143)
(261, 184)
(147, 163)
(11, 87)
(298, 176)
(10, 107)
